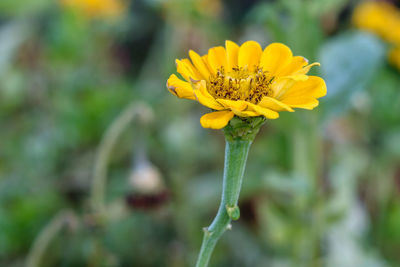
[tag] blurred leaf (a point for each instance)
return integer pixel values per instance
(293, 185)
(392, 143)
(385, 97)
(11, 36)
(23, 7)
(22, 219)
(349, 62)
(319, 7)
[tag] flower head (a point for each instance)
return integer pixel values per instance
(247, 82)
(96, 8)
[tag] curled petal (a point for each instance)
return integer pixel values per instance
(216, 120)
(306, 69)
(180, 88)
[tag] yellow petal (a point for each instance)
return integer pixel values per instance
(180, 88)
(296, 69)
(185, 68)
(266, 112)
(275, 57)
(306, 69)
(217, 58)
(314, 87)
(204, 97)
(235, 104)
(296, 64)
(216, 120)
(232, 52)
(297, 77)
(199, 64)
(304, 94)
(245, 113)
(205, 59)
(192, 68)
(281, 85)
(249, 55)
(302, 102)
(273, 104)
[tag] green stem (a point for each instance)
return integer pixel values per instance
(236, 152)
(47, 235)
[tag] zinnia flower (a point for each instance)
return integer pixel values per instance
(247, 82)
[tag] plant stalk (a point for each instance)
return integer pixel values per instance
(236, 151)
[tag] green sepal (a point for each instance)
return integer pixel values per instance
(243, 128)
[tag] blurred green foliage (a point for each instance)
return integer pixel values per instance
(321, 188)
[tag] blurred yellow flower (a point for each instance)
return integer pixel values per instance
(96, 8)
(381, 18)
(247, 82)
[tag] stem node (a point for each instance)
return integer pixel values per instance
(233, 212)
(206, 231)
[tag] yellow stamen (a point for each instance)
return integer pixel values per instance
(240, 84)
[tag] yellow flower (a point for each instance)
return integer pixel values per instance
(247, 82)
(96, 8)
(381, 18)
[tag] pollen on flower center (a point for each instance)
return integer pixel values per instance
(240, 84)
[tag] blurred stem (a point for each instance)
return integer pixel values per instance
(236, 152)
(105, 148)
(46, 236)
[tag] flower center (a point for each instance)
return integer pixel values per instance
(240, 84)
